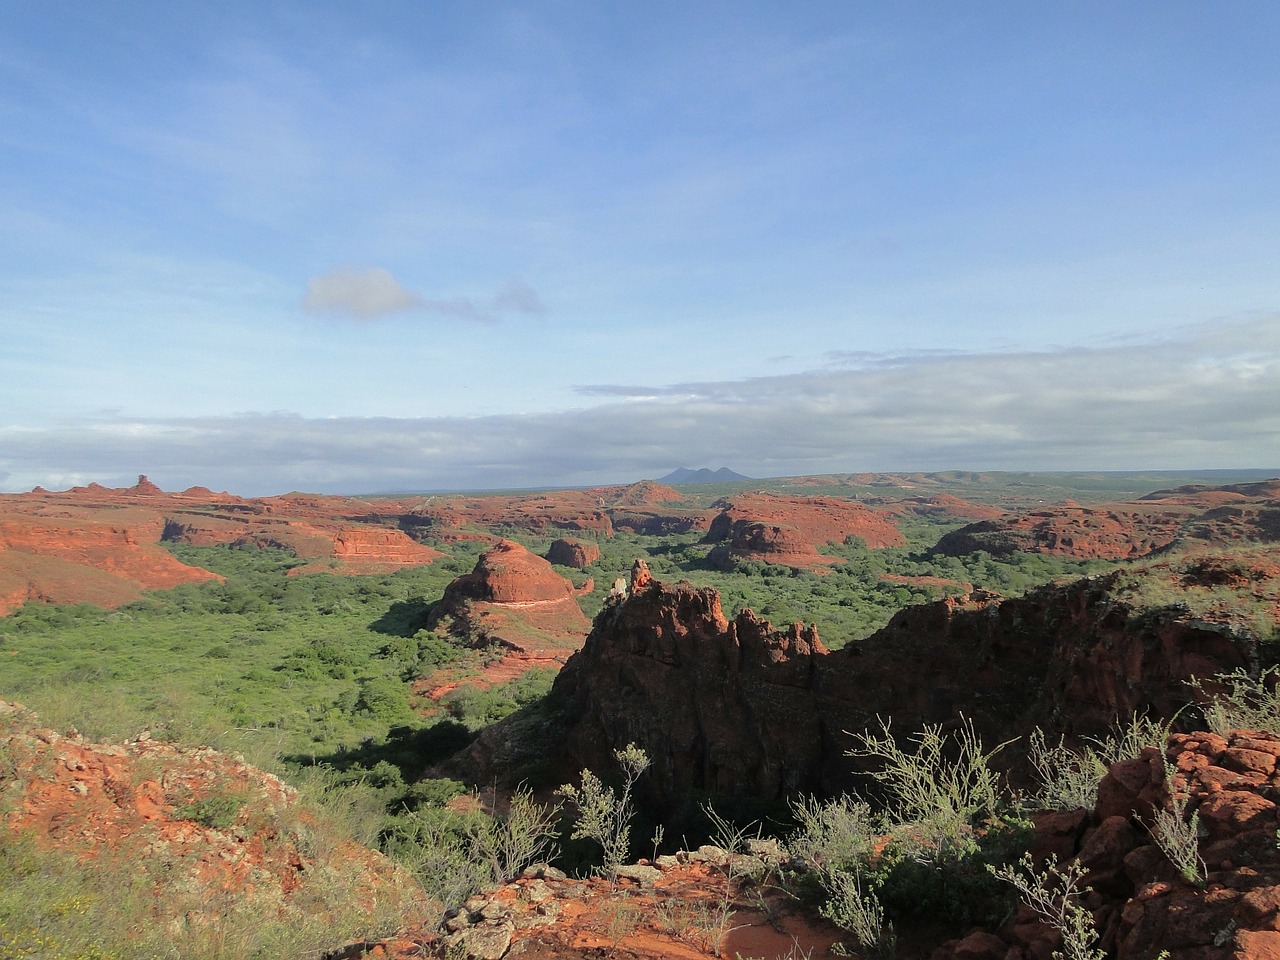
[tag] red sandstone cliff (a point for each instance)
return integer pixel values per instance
(103, 546)
(739, 709)
(1240, 513)
(789, 530)
(107, 558)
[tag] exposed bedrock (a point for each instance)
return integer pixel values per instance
(739, 709)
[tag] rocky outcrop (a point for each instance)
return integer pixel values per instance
(513, 598)
(107, 559)
(144, 488)
(565, 510)
(655, 910)
(739, 709)
(789, 530)
(371, 549)
(568, 552)
(206, 832)
(103, 546)
(509, 574)
(1081, 532)
(1068, 658)
(1142, 905)
(645, 493)
(515, 606)
(1248, 513)
(719, 705)
(942, 505)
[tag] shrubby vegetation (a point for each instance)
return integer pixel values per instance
(55, 905)
(310, 677)
(603, 815)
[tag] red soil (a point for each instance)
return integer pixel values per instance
(135, 800)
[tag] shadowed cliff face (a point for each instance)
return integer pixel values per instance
(1071, 659)
(720, 706)
(739, 709)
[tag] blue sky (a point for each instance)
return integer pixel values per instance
(364, 247)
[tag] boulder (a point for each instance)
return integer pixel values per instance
(569, 552)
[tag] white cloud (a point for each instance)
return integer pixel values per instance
(1209, 399)
(372, 293)
(359, 294)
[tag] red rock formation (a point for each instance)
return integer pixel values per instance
(370, 549)
(108, 558)
(137, 801)
(739, 709)
(713, 701)
(939, 505)
(103, 546)
(144, 488)
(1142, 906)
(646, 493)
(1128, 531)
(640, 507)
(568, 552)
(513, 601)
(720, 706)
(788, 530)
(510, 574)
(569, 510)
(1081, 532)
(1067, 658)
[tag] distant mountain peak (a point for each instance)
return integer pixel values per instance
(702, 475)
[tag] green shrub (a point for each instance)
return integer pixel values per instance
(456, 854)
(1177, 834)
(387, 700)
(603, 815)
(926, 855)
(834, 835)
(523, 836)
(859, 911)
(217, 811)
(477, 707)
(1241, 701)
(1069, 778)
(1054, 893)
(938, 798)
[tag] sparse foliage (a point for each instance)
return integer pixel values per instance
(603, 815)
(852, 908)
(455, 855)
(833, 834)
(522, 837)
(437, 848)
(1177, 834)
(942, 795)
(1240, 701)
(1069, 778)
(1054, 893)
